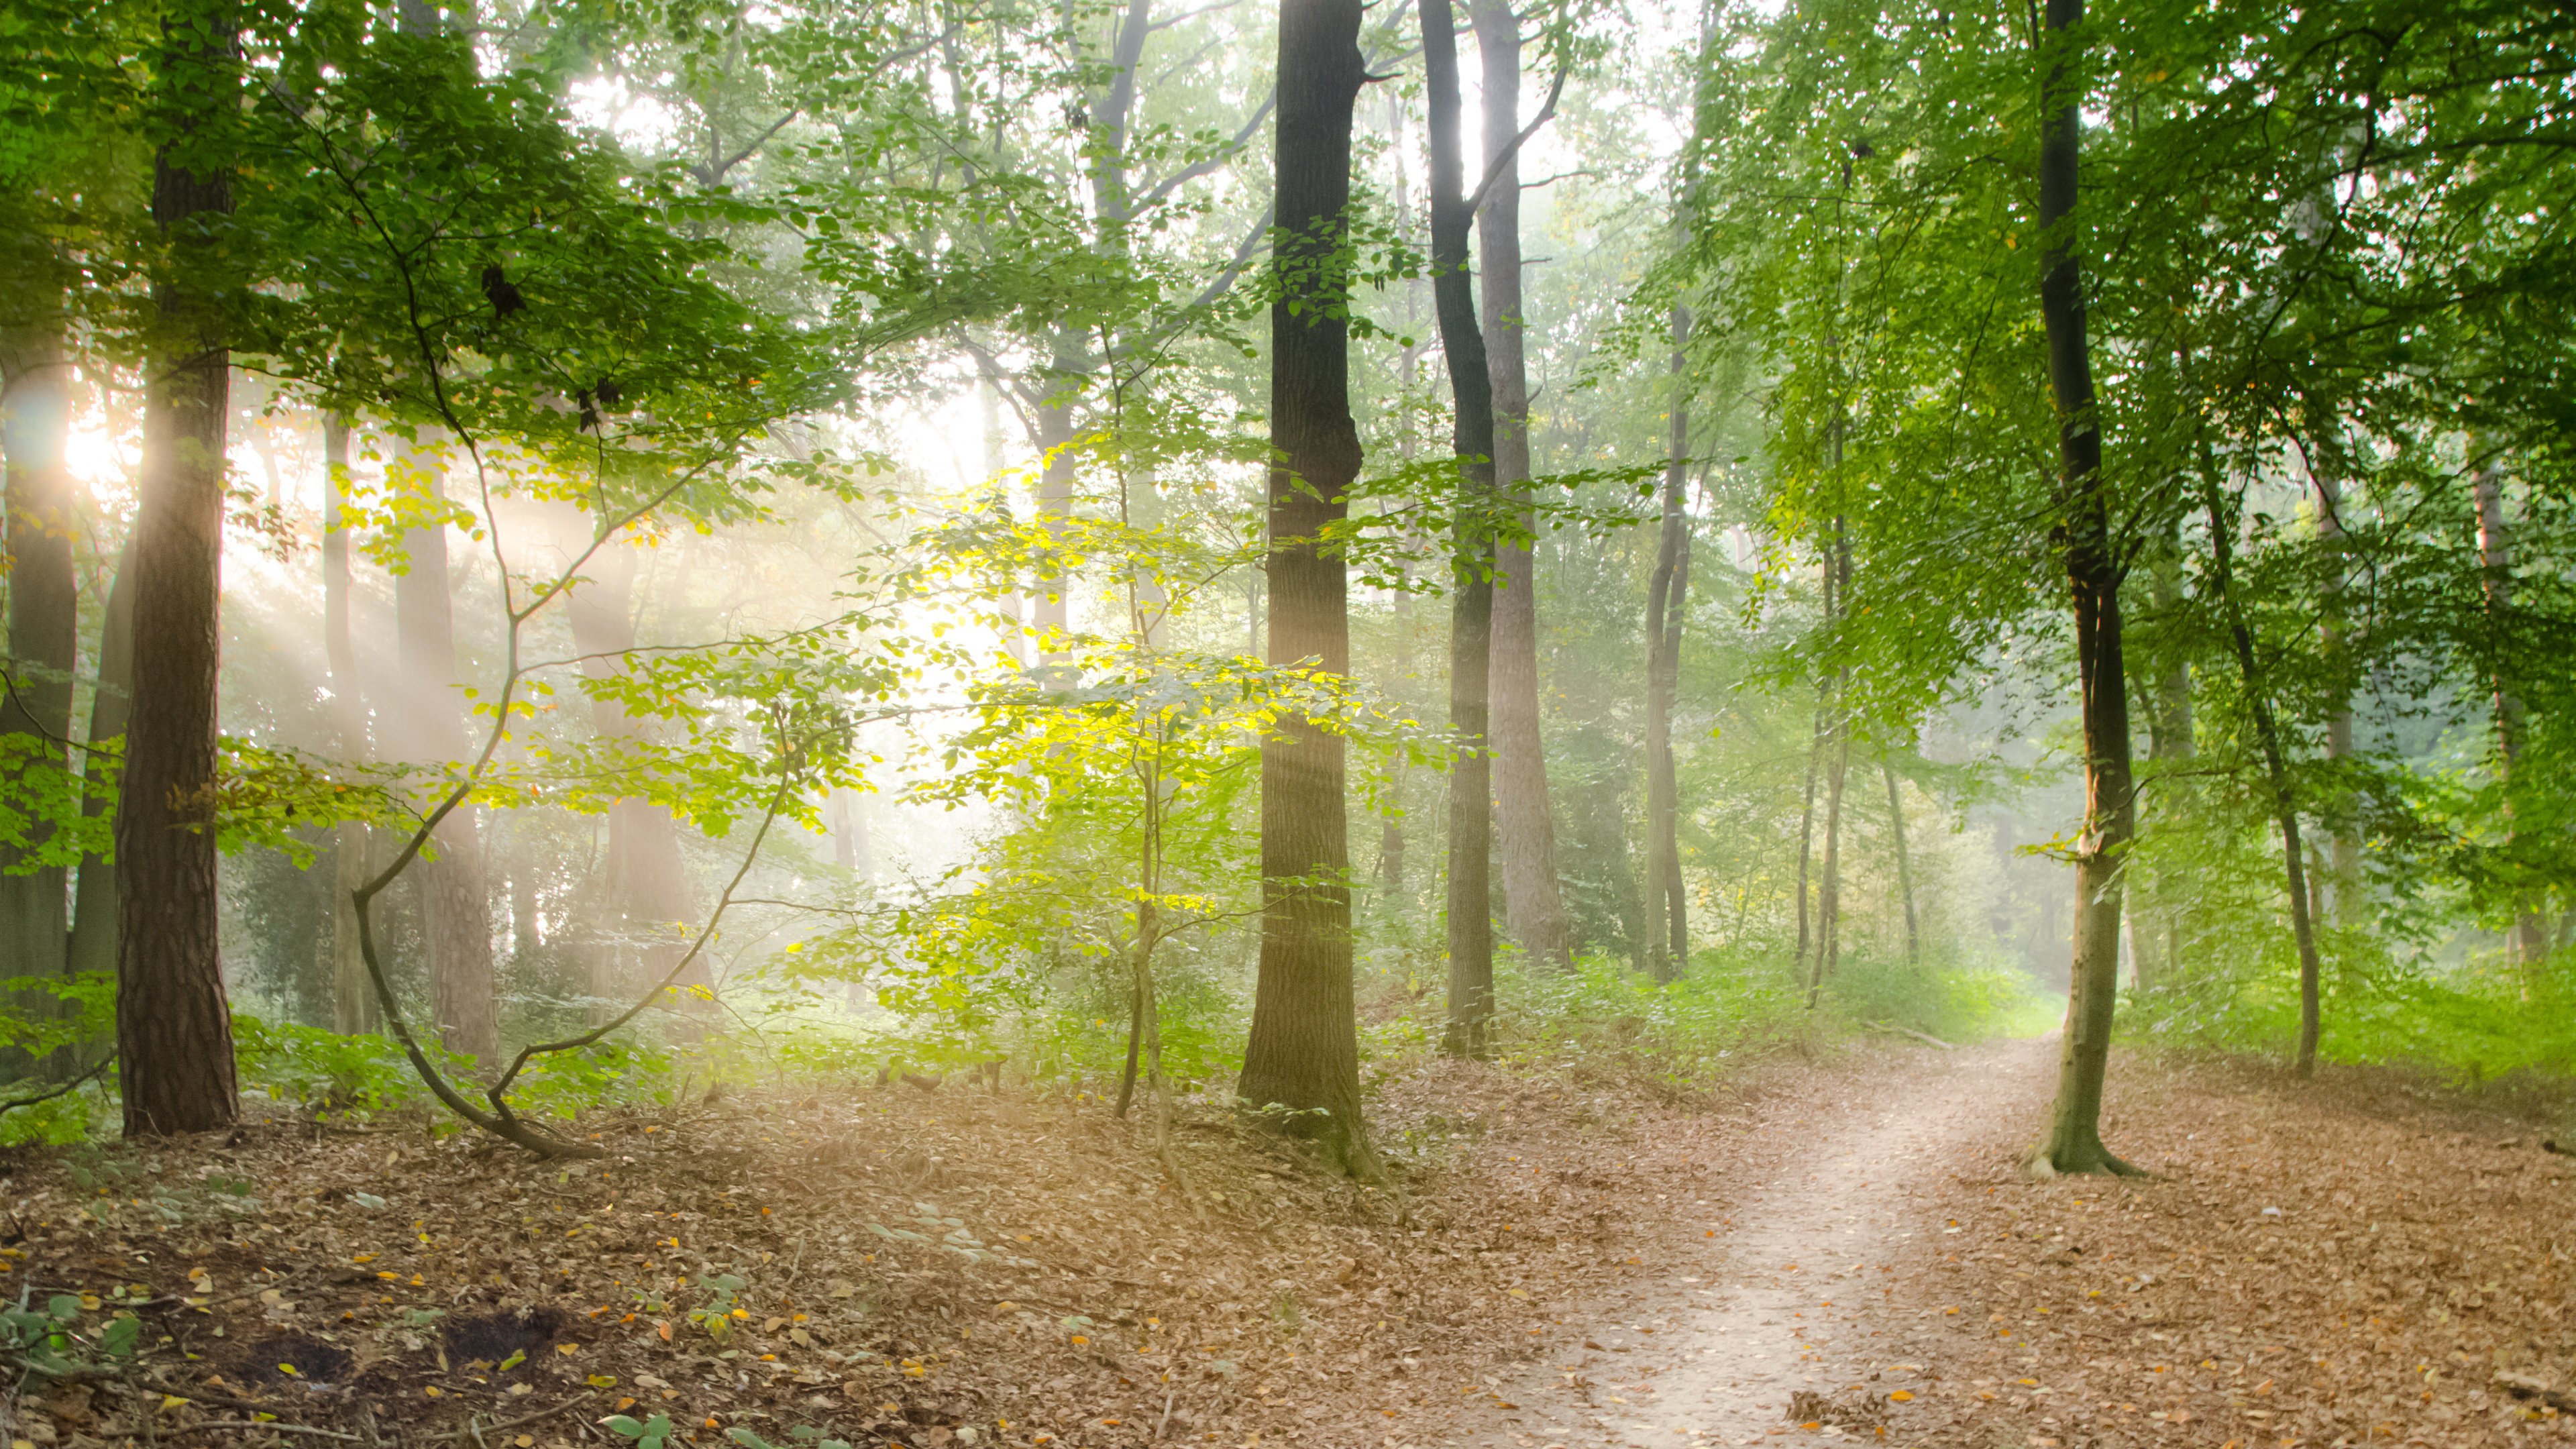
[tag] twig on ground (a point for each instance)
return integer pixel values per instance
(1925, 1037)
(276, 1427)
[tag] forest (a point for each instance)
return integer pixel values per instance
(965, 722)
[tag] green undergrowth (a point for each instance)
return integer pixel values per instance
(2470, 1025)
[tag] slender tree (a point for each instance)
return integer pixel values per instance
(353, 1004)
(2495, 581)
(173, 1029)
(1471, 622)
(1533, 901)
(1667, 935)
(1904, 865)
(94, 906)
(1303, 1051)
(44, 622)
(2074, 1140)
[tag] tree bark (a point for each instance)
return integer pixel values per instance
(1303, 1051)
(353, 1000)
(173, 1027)
(1667, 930)
(2074, 1140)
(1533, 899)
(1462, 343)
(94, 903)
(44, 625)
(456, 911)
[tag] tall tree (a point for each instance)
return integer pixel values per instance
(1667, 590)
(455, 897)
(1471, 621)
(353, 1004)
(173, 1029)
(44, 621)
(456, 911)
(2495, 581)
(647, 892)
(94, 907)
(2074, 1140)
(1303, 1052)
(1533, 900)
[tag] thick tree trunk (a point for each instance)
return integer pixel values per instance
(94, 905)
(44, 625)
(353, 1000)
(456, 911)
(1462, 343)
(2495, 568)
(2074, 1141)
(1667, 929)
(1303, 1051)
(173, 1028)
(1533, 900)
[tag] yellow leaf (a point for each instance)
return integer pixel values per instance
(567, 1349)
(1902, 1396)
(603, 1381)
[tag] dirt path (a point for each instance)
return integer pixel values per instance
(1792, 1289)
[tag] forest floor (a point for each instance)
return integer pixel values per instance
(1835, 1245)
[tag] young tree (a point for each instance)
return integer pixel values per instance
(1667, 595)
(173, 1029)
(353, 1003)
(1533, 902)
(2093, 568)
(1303, 1051)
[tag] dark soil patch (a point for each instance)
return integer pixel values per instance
(292, 1358)
(493, 1337)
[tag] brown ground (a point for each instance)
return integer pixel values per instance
(1558, 1259)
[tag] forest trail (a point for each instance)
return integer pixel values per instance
(1796, 1291)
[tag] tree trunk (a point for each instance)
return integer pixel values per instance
(2169, 744)
(1303, 1051)
(1533, 901)
(2267, 733)
(456, 912)
(353, 1000)
(1904, 866)
(2343, 871)
(2495, 569)
(2074, 1141)
(648, 905)
(174, 1030)
(1667, 929)
(1829, 893)
(1462, 343)
(44, 626)
(94, 904)
(1816, 747)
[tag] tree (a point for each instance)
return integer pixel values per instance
(353, 1004)
(2093, 569)
(1533, 903)
(1667, 596)
(173, 1029)
(1471, 616)
(44, 628)
(1303, 1051)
